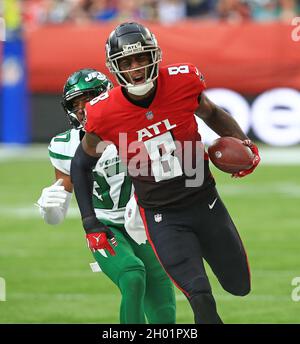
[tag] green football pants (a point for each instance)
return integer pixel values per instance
(147, 291)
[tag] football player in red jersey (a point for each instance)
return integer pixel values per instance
(184, 217)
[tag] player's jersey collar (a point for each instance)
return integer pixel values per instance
(145, 103)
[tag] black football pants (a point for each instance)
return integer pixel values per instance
(182, 237)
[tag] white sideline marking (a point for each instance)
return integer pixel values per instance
(280, 156)
(23, 153)
(179, 297)
(28, 212)
(283, 190)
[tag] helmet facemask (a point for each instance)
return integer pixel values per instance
(150, 70)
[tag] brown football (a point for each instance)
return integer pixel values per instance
(230, 154)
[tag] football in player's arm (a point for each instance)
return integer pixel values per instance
(147, 292)
(155, 107)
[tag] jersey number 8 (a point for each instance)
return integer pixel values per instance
(164, 164)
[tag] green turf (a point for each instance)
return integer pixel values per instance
(46, 270)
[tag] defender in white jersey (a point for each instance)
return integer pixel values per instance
(147, 292)
(112, 187)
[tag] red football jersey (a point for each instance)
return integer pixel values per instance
(160, 144)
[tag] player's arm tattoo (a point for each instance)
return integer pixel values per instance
(218, 119)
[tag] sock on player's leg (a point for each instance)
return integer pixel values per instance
(204, 308)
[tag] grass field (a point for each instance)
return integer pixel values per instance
(47, 273)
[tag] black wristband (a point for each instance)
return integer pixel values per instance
(92, 225)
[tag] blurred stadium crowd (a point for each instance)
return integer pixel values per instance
(39, 12)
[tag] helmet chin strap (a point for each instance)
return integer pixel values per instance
(140, 90)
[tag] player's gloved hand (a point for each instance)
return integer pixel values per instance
(255, 162)
(54, 203)
(98, 235)
(53, 196)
